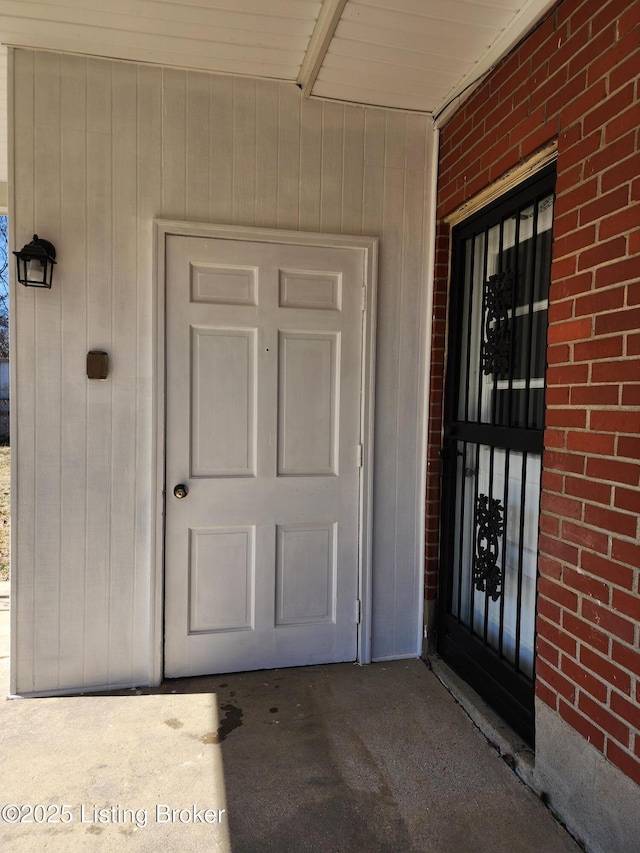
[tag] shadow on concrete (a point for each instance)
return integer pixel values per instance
(376, 758)
(324, 758)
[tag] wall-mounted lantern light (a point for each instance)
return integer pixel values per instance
(35, 263)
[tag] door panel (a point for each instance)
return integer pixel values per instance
(223, 402)
(221, 579)
(309, 394)
(492, 449)
(305, 573)
(224, 284)
(264, 364)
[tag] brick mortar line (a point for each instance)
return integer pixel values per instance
(609, 688)
(582, 596)
(588, 526)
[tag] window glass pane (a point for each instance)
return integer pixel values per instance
(465, 330)
(487, 399)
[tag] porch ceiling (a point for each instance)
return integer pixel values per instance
(405, 54)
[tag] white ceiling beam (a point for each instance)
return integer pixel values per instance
(325, 27)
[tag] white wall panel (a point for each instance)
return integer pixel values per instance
(73, 402)
(101, 149)
(4, 163)
(148, 181)
(124, 322)
(267, 100)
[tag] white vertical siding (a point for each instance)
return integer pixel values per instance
(4, 163)
(101, 149)
(73, 402)
(148, 182)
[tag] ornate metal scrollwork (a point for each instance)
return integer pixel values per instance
(498, 300)
(487, 575)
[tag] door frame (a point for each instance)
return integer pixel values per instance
(368, 247)
(540, 180)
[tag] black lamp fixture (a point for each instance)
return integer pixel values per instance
(35, 263)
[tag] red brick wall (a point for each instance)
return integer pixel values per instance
(574, 79)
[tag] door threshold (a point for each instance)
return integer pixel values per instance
(509, 745)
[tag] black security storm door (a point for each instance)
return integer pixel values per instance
(492, 447)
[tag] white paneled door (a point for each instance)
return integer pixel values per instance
(263, 391)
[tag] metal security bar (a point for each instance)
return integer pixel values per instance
(492, 448)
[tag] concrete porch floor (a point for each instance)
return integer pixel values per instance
(326, 758)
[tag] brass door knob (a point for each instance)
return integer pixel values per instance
(181, 491)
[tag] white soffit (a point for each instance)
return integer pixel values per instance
(259, 38)
(404, 54)
(421, 55)
(418, 54)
